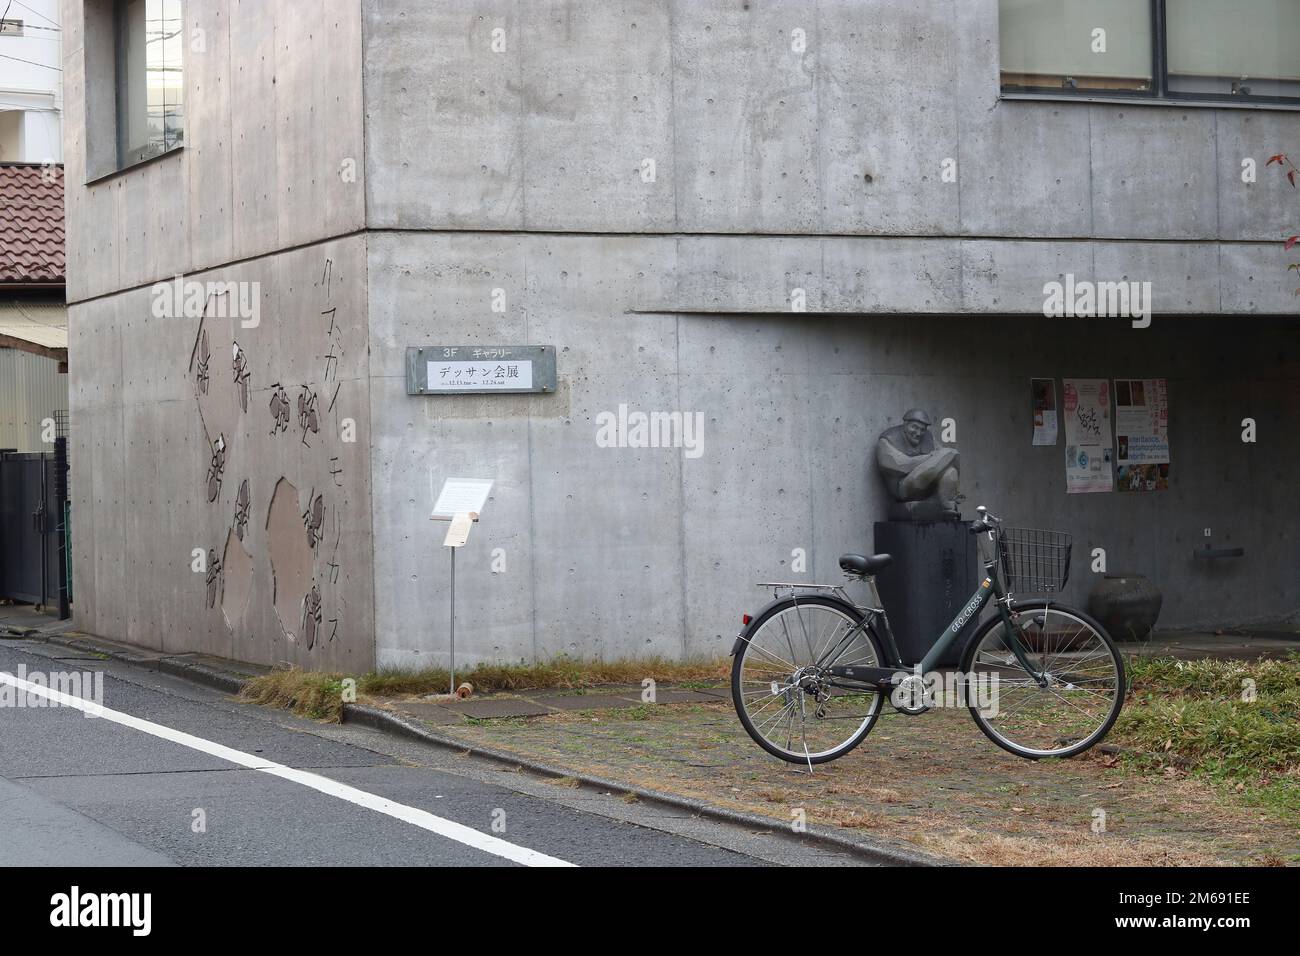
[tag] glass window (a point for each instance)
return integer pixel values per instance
(150, 118)
(1067, 45)
(1229, 50)
(1247, 48)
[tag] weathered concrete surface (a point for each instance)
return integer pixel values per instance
(749, 136)
(623, 551)
(273, 112)
(143, 486)
(504, 145)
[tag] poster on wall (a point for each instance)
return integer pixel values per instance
(1087, 436)
(1044, 399)
(1142, 434)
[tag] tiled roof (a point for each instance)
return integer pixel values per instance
(31, 223)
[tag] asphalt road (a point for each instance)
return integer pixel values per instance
(82, 791)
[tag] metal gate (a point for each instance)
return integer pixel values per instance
(33, 539)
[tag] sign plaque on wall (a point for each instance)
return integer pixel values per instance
(480, 369)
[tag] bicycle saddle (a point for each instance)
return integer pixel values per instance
(863, 565)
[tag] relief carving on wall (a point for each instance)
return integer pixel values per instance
(304, 578)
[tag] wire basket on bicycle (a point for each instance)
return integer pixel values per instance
(1033, 561)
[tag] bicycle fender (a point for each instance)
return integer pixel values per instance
(748, 629)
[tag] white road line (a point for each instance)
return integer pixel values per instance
(413, 815)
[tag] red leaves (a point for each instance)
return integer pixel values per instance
(1292, 241)
(1281, 160)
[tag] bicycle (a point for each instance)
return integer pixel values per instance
(817, 657)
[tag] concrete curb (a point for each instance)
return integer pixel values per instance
(383, 720)
(875, 851)
(225, 681)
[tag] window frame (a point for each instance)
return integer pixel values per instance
(1159, 94)
(117, 11)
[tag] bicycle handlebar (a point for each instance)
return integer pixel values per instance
(987, 521)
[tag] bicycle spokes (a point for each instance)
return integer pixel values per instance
(785, 689)
(1068, 697)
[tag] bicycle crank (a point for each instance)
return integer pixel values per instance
(908, 696)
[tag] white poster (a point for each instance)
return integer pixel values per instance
(1142, 434)
(1043, 391)
(461, 496)
(1087, 435)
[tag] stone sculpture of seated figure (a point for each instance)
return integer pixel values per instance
(921, 476)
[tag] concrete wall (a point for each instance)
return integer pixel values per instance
(749, 136)
(147, 411)
(273, 143)
(392, 140)
(506, 144)
(267, 192)
(625, 551)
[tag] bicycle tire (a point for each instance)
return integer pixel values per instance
(744, 647)
(1094, 738)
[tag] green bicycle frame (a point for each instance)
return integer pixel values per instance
(989, 589)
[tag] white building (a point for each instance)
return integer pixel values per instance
(31, 82)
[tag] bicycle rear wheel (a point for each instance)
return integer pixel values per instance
(782, 693)
(1085, 682)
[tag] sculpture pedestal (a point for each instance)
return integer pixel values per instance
(935, 571)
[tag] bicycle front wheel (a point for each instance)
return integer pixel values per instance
(1078, 699)
(781, 688)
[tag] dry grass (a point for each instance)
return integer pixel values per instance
(306, 693)
(932, 781)
(852, 819)
(319, 695)
(1065, 849)
(560, 673)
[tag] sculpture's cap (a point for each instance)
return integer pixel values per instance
(916, 415)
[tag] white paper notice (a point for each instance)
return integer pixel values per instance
(484, 376)
(458, 531)
(1087, 436)
(461, 496)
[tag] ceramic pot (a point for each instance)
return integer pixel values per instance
(1127, 605)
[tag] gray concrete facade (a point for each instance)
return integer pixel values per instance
(480, 173)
